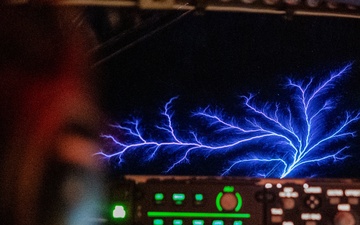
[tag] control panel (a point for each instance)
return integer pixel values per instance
(142, 200)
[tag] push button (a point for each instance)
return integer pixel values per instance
(287, 223)
(312, 201)
(218, 222)
(198, 199)
(353, 201)
(178, 222)
(276, 219)
(288, 203)
(178, 198)
(119, 212)
(198, 222)
(159, 198)
(334, 201)
(158, 222)
(238, 222)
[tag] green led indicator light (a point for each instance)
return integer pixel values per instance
(119, 212)
(229, 189)
(159, 196)
(158, 222)
(239, 198)
(198, 215)
(218, 222)
(199, 197)
(178, 197)
(177, 222)
(238, 222)
(218, 198)
(198, 222)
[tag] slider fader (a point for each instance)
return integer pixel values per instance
(164, 200)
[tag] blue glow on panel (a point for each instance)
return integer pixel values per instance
(271, 139)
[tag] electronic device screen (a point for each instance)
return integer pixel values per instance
(234, 94)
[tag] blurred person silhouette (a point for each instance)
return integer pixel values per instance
(49, 119)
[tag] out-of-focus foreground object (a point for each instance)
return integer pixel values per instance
(49, 117)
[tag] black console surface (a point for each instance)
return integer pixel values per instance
(145, 200)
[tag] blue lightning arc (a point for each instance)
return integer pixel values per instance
(296, 132)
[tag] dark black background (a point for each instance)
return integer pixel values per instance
(213, 58)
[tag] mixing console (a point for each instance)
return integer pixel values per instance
(233, 201)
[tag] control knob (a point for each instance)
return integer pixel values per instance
(228, 201)
(344, 218)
